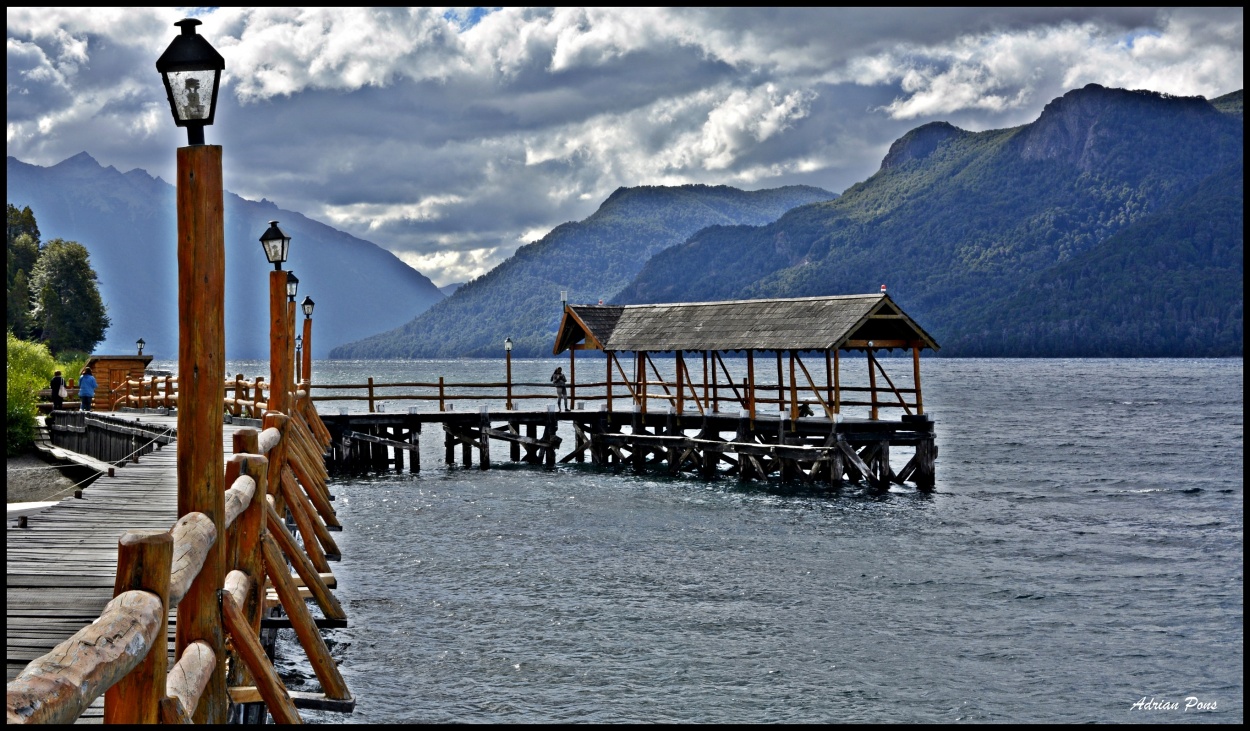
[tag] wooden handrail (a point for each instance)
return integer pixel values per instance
(155, 572)
(58, 687)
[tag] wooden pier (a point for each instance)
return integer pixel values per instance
(82, 638)
(812, 450)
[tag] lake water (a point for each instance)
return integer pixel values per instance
(1083, 551)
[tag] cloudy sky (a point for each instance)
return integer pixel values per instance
(452, 136)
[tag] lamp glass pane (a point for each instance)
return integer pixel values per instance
(192, 93)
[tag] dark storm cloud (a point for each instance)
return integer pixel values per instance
(453, 136)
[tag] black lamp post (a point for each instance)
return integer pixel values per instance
(299, 348)
(191, 69)
(140, 343)
(306, 365)
(507, 349)
(292, 288)
(276, 245)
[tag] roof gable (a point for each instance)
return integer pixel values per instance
(804, 323)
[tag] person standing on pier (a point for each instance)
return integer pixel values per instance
(561, 397)
(86, 388)
(58, 391)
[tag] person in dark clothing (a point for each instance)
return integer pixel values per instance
(86, 388)
(561, 397)
(57, 385)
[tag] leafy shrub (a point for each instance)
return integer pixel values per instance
(28, 369)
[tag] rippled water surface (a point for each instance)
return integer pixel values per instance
(1083, 550)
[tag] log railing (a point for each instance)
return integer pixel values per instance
(681, 395)
(123, 654)
(241, 397)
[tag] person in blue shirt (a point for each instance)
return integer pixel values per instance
(86, 388)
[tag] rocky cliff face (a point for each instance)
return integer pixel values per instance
(1077, 126)
(919, 143)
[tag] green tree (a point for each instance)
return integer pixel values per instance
(17, 310)
(68, 313)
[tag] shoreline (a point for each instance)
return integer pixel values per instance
(30, 478)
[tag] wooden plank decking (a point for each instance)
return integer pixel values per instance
(60, 569)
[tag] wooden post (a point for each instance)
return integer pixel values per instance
(915, 370)
(872, 385)
(168, 387)
(794, 394)
(279, 342)
(837, 386)
(607, 359)
(292, 374)
(143, 562)
(715, 386)
(705, 379)
(829, 380)
(249, 526)
(201, 371)
(750, 385)
(572, 379)
(306, 369)
(508, 357)
(440, 384)
(641, 378)
(680, 365)
(441, 396)
(781, 386)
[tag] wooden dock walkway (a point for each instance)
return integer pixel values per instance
(60, 569)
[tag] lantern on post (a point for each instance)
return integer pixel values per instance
(306, 363)
(276, 245)
(507, 349)
(191, 70)
(140, 343)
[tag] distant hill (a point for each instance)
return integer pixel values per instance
(448, 289)
(590, 259)
(1110, 226)
(127, 222)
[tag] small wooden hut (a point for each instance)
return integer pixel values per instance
(792, 330)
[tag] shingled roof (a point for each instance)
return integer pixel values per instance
(803, 323)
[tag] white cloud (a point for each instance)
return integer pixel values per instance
(450, 135)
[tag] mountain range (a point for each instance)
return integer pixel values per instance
(127, 222)
(589, 260)
(1111, 226)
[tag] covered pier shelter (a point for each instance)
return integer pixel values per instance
(799, 420)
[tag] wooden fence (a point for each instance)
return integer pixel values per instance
(123, 654)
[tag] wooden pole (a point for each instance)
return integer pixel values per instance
(508, 357)
(143, 561)
(292, 373)
(306, 370)
(837, 386)
(201, 371)
(679, 365)
(794, 394)
(781, 386)
(829, 379)
(642, 379)
(607, 359)
(572, 379)
(915, 370)
(279, 342)
(751, 384)
(872, 385)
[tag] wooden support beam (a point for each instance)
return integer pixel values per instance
(308, 574)
(302, 622)
(268, 684)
